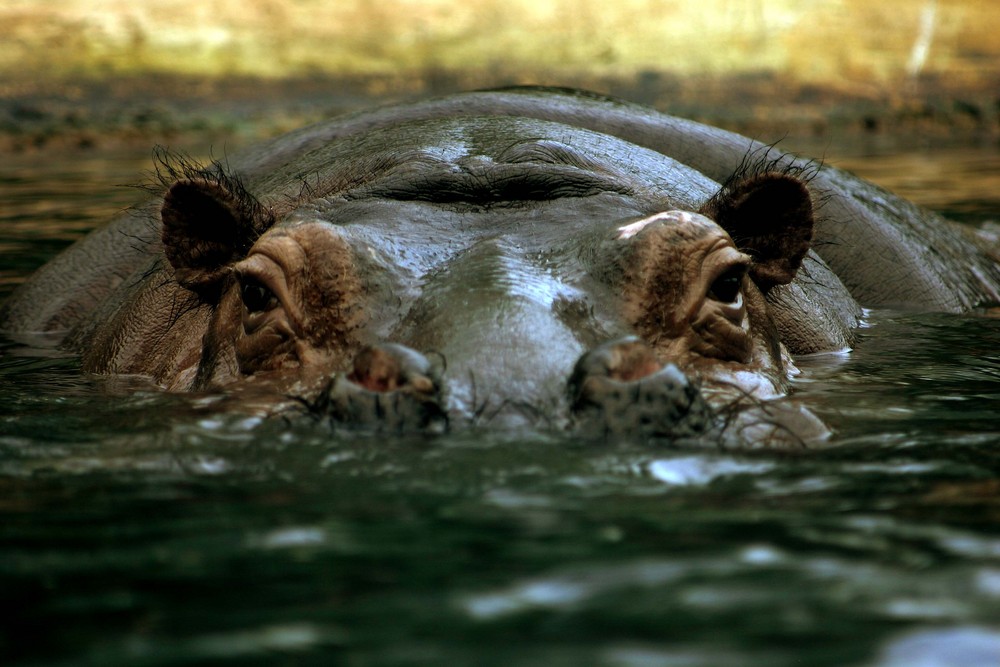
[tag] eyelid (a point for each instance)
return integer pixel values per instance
(270, 274)
(726, 260)
(256, 266)
(245, 277)
(261, 270)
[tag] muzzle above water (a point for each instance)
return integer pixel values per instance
(618, 390)
(391, 389)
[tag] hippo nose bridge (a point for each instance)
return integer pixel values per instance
(494, 317)
(508, 339)
(510, 353)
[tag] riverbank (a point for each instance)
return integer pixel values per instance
(80, 114)
(79, 74)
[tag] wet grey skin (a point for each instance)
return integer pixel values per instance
(531, 258)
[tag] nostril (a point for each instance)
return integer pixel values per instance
(389, 367)
(614, 393)
(376, 369)
(633, 360)
(391, 388)
(598, 375)
(625, 360)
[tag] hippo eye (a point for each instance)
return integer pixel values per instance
(256, 297)
(726, 287)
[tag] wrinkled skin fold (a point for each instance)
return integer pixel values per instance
(526, 258)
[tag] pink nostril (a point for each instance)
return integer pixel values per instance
(391, 388)
(388, 367)
(376, 370)
(621, 389)
(625, 360)
(632, 360)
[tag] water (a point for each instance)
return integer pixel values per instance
(139, 528)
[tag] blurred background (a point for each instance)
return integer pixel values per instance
(89, 72)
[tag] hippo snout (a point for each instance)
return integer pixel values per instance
(391, 389)
(620, 390)
(617, 390)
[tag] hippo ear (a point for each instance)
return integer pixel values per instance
(770, 217)
(206, 227)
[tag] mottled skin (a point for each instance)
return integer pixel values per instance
(559, 257)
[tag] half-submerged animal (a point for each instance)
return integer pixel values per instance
(533, 257)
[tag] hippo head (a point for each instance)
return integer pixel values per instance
(535, 291)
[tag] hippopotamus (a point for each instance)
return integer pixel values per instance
(522, 258)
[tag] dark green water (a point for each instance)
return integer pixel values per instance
(138, 528)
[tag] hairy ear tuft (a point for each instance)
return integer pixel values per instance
(770, 217)
(206, 227)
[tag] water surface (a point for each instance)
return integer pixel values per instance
(140, 528)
